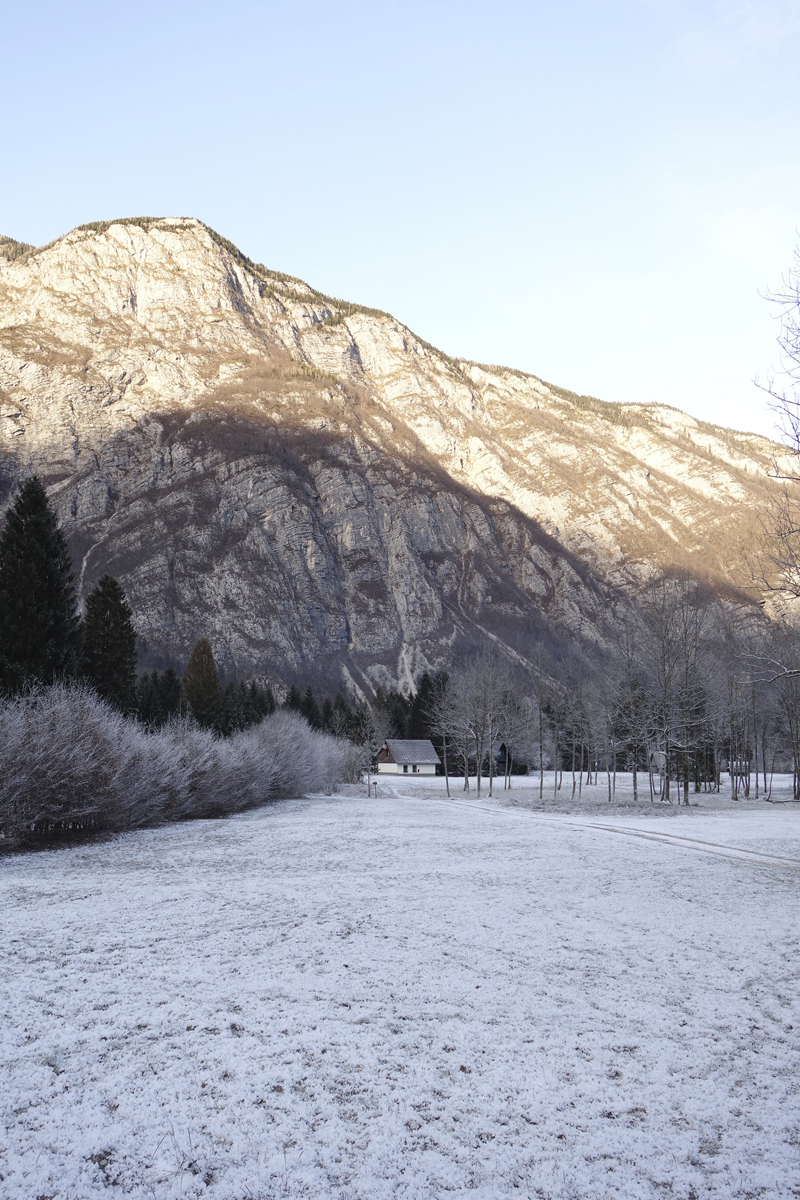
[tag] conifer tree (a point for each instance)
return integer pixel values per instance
(108, 645)
(169, 695)
(294, 700)
(262, 701)
(231, 713)
(343, 721)
(39, 633)
(200, 684)
(418, 720)
(147, 699)
(158, 697)
(310, 709)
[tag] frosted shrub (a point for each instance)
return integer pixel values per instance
(353, 761)
(60, 750)
(71, 765)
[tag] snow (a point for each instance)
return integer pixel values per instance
(408, 997)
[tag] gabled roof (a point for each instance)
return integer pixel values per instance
(412, 750)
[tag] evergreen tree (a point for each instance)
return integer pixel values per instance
(39, 632)
(230, 716)
(310, 709)
(262, 702)
(242, 705)
(392, 710)
(326, 715)
(200, 684)
(169, 695)
(419, 709)
(343, 721)
(108, 645)
(158, 697)
(294, 700)
(147, 699)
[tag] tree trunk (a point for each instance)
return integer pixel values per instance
(446, 776)
(541, 755)
(466, 763)
(555, 771)
(573, 763)
(665, 786)
(755, 736)
(478, 764)
(685, 778)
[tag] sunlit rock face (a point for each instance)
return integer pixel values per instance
(317, 490)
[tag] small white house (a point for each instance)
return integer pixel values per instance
(407, 756)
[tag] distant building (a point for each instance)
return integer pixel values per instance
(405, 756)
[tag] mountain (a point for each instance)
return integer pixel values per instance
(318, 490)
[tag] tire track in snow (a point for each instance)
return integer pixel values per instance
(757, 857)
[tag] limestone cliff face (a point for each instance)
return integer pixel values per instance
(315, 488)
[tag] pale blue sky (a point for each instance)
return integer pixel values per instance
(595, 192)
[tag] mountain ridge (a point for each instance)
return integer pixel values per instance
(346, 307)
(145, 360)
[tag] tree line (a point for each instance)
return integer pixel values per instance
(74, 761)
(689, 689)
(44, 640)
(691, 692)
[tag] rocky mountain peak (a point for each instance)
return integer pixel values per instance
(316, 488)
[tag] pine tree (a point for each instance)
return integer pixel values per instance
(234, 713)
(294, 700)
(343, 722)
(169, 695)
(158, 697)
(418, 716)
(108, 645)
(262, 702)
(392, 710)
(310, 709)
(201, 684)
(147, 699)
(39, 633)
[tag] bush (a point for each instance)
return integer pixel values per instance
(72, 765)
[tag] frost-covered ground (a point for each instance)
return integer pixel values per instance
(406, 997)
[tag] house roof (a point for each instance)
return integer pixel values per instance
(412, 750)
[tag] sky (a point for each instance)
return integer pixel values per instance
(599, 193)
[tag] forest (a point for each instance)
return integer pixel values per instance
(693, 693)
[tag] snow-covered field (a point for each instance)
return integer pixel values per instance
(407, 997)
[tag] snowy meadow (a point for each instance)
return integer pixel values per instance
(405, 996)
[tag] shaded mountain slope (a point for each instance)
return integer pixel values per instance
(317, 489)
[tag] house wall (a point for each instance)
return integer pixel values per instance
(390, 768)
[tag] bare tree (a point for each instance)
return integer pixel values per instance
(542, 698)
(462, 684)
(781, 520)
(780, 671)
(630, 715)
(498, 706)
(675, 624)
(478, 692)
(514, 721)
(442, 717)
